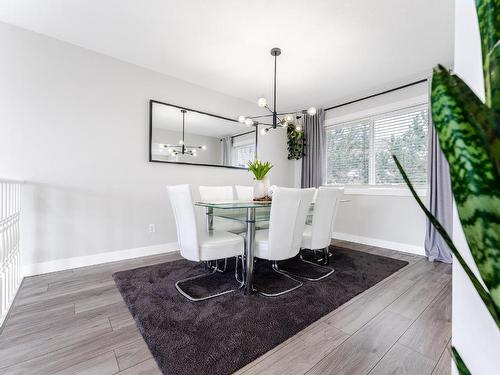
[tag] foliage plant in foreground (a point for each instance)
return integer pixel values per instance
(469, 136)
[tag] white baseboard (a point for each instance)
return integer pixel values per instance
(7, 309)
(407, 248)
(113, 256)
(93, 259)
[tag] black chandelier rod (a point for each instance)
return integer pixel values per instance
(274, 104)
(183, 115)
(275, 52)
(277, 114)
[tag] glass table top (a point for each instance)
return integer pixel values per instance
(237, 210)
(233, 205)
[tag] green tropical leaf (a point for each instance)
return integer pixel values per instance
(461, 367)
(474, 176)
(480, 115)
(485, 296)
(488, 13)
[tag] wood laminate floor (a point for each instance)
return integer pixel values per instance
(75, 322)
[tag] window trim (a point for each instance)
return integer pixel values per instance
(376, 111)
(369, 117)
(389, 190)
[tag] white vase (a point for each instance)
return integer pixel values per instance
(259, 189)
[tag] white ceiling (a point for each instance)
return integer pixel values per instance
(332, 49)
(170, 118)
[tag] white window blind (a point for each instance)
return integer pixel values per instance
(360, 152)
(348, 153)
(243, 154)
(404, 134)
(243, 149)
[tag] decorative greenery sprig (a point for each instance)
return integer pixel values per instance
(295, 143)
(259, 168)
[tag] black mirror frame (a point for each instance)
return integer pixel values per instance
(151, 102)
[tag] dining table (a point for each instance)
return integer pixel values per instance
(249, 213)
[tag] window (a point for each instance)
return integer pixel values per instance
(348, 153)
(360, 152)
(243, 149)
(243, 154)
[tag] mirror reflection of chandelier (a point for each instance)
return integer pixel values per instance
(182, 148)
(288, 119)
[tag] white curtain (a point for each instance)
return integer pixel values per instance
(227, 150)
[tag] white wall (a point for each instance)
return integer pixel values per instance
(61, 110)
(381, 217)
(475, 335)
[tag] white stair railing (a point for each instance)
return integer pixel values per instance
(10, 256)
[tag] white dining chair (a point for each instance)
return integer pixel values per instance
(283, 238)
(318, 235)
(196, 245)
(221, 194)
(244, 193)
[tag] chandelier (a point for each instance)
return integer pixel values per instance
(291, 119)
(182, 148)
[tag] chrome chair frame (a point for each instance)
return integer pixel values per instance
(210, 271)
(208, 265)
(330, 270)
(281, 272)
(236, 276)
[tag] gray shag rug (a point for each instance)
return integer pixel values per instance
(221, 335)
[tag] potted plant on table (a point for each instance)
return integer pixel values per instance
(260, 170)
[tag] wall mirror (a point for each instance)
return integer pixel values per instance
(187, 136)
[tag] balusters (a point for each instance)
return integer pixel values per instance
(10, 257)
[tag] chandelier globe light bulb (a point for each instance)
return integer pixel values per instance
(311, 111)
(262, 102)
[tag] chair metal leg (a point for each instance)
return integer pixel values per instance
(324, 259)
(278, 270)
(326, 256)
(221, 270)
(236, 275)
(209, 266)
(194, 299)
(329, 270)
